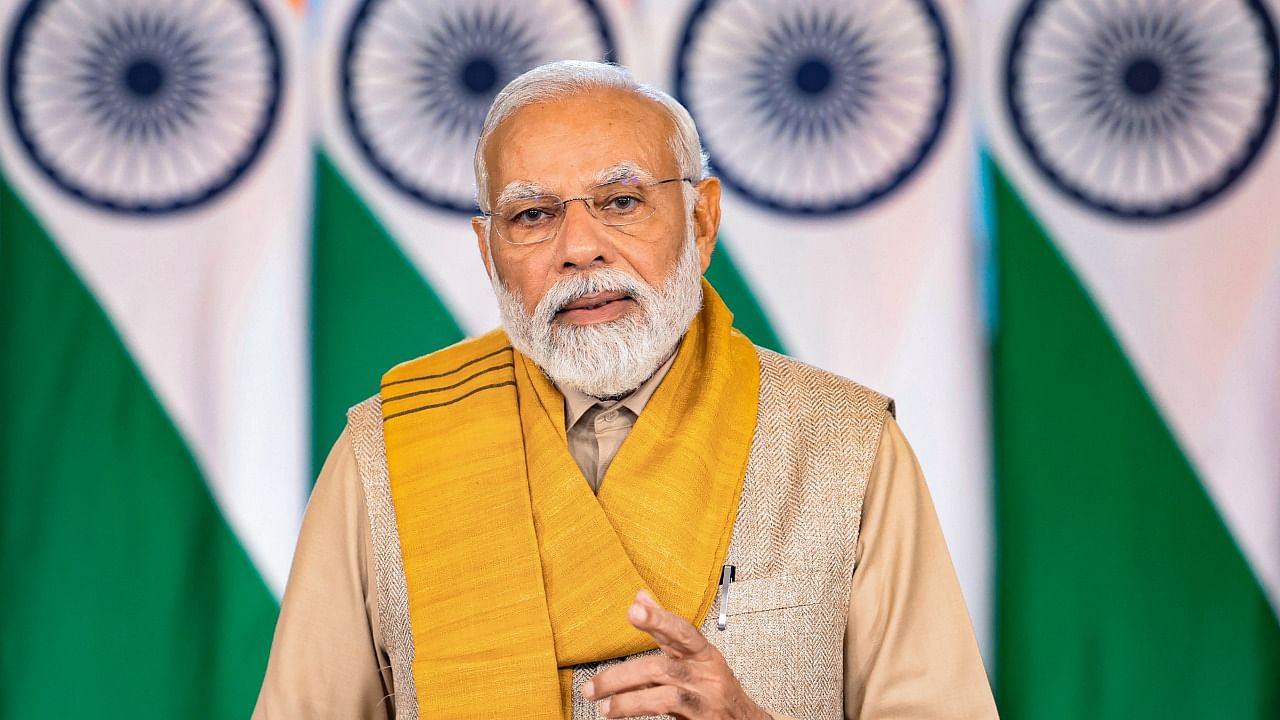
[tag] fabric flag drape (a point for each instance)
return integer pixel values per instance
(153, 464)
(1132, 169)
(841, 138)
(162, 162)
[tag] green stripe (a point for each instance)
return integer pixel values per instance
(125, 593)
(371, 309)
(1120, 592)
(748, 315)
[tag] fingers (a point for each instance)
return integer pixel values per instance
(663, 700)
(691, 679)
(674, 634)
(637, 674)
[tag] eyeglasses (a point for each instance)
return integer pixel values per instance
(536, 219)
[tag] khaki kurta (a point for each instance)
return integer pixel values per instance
(909, 647)
(596, 428)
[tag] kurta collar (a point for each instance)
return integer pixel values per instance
(576, 403)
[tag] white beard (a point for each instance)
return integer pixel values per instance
(607, 359)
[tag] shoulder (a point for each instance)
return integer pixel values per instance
(797, 387)
(364, 419)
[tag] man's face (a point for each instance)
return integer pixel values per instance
(566, 147)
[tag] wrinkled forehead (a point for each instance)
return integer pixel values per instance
(569, 144)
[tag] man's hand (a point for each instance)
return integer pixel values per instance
(691, 681)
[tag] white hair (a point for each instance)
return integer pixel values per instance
(564, 78)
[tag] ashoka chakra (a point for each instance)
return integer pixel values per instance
(1143, 110)
(143, 107)
(816, 107)
(418, 78)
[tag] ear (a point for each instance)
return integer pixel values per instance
(480, 226)
(706, 218)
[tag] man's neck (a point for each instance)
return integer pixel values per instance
(576, 402)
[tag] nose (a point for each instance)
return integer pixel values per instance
(583, 242)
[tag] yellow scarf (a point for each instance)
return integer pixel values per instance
(516, 572)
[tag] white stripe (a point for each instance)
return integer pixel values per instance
(1193, 302)
(211, 305)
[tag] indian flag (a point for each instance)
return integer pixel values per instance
(1133, 166)
(840, 132)
(153, 467)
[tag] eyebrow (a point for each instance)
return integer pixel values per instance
(524, 189)
(621, 172)
(519, 190)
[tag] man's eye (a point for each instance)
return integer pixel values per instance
(531, 216)
(623, 203)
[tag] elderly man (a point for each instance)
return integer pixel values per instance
(616, 506)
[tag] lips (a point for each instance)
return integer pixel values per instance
(594, 301)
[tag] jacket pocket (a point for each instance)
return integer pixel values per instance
(773, 592)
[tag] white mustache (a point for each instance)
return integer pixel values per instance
(576, 287)
(610, 358)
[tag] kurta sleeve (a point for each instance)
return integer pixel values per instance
(910, 650)
(327, 658)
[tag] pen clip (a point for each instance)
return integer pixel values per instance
(726, 578)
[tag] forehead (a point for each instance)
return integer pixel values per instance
(563, 144)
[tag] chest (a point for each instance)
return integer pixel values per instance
(793, 548)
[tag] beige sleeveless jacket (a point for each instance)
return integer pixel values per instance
(793, 542)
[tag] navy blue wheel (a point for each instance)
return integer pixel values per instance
(418, 78)
(819, 106)
(143, 107)
(1143, 109)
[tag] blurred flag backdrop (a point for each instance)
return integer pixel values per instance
(152, 351)
(1133, 175)
(222, 220)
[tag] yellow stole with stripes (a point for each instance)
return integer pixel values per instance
(516, 572)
